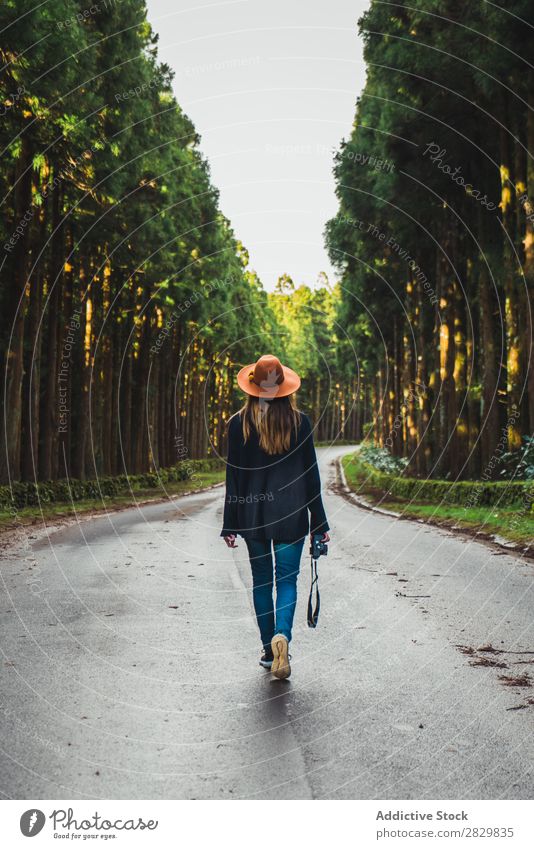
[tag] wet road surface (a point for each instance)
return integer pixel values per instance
(130, 663)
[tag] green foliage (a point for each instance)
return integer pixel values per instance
(310, 340)
(21, 495)
(519, 464)
(382, 459)
(467, 493)
(424, 245)
(122, 219)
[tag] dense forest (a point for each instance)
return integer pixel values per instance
(122, 284)
(126, 302)
(434, 238)
(309, 335)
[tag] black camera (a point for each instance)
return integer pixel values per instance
(317, 546)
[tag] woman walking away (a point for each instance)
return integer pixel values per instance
(272, 482)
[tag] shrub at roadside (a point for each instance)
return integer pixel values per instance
(22, 494)
(364, 476)
(519, 464)
(381, 459)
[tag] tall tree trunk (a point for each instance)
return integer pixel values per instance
(116, 331)
(51, 419)
(69, 341)
(32, 369)
(508, 206)
(528, 208)
(107, 354)
(448, 436)
(422, 392)
(489, 357)
(139, 423)
(84, 365)
(14, 322)
(461, 366)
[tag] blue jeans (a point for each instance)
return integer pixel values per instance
(287, 562)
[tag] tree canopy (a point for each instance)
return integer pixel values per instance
(126, 300)
(433, 239)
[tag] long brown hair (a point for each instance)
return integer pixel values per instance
(273, 421)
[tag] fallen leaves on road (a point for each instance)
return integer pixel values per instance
(506, 680)
(489, 649)
(528, 703)
(517, 681)
(488, 661)
(403, 595)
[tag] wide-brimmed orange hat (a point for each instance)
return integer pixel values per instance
(268, 378)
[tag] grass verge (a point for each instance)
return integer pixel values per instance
(68, 510)
(512, 523)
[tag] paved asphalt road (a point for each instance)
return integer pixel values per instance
(130, 667)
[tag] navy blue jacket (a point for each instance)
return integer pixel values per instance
(268, 496)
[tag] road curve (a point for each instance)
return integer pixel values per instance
(130, 651)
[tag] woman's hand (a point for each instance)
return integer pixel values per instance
(325, 537)
(230, 541)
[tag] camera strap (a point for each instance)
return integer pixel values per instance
(313, 614)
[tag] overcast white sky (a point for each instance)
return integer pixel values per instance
(271, 87)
